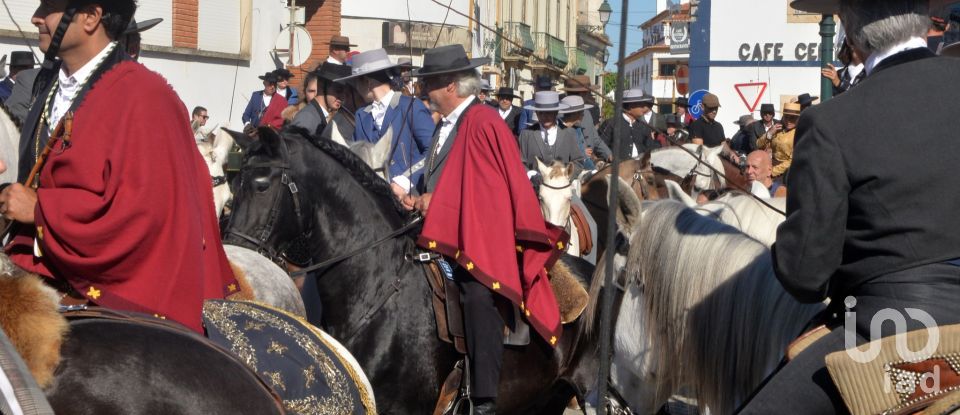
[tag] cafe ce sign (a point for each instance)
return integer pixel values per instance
(764, 52)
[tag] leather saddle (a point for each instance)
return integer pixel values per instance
(579, 220)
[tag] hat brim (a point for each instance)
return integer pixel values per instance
(952, 50)
(344, 45)
(474, 63)
(576, 109)
(833, 6)
(558, 108)
(576, 89)
(638, 101)
(142, 26)
(368, 72)
(512, 97)
(808, 101)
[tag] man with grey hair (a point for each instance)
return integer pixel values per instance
(871, 216)
(479, 211)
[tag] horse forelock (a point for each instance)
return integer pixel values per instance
(558, 170)
(710, 294)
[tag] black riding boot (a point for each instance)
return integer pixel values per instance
(484, 336)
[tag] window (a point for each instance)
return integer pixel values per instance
(668, 69)
(797, 16)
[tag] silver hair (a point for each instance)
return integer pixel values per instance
(468, 83)
(873, 26)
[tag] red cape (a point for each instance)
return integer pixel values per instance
(125, 213)
(485, 214)
(273, 116)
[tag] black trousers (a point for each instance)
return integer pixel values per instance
(803, 386)
(484, 334)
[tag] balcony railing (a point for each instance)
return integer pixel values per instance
(550, 50)
(580, 62)
(521, 42)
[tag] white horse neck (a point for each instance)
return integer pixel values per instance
(9, 147)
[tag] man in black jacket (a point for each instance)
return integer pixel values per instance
(871, 212)
(638, 137)
(509, 112)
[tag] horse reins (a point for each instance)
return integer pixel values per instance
(340, 258)
(724, 176)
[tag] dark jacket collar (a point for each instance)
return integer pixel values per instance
(904, 57)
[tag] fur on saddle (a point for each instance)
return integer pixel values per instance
(30, 317)
(245, 292)
(569, 290)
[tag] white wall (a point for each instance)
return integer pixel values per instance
(161, 34)
(738, 22)
(419, 10)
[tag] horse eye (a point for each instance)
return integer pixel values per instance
(261, 184)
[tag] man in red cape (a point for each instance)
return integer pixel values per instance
(482, 214)
(123, 214)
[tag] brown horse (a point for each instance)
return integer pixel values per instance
(643, 180)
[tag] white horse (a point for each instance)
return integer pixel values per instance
(270, 284)
(683, 164)
(9, 146)
(715, 317)
(215, 154)
(555, 194)
(738, 210)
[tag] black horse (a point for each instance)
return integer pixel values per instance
(121, 367)
(295, 192)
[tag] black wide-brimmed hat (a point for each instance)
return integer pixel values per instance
(447, 59)
(341, 41)
(671, 119)
(282, 73)
(543, 82)
(767, 109)
(21, 59)
(269, 77)
(682, 102)
(507, 92)
(833, 6)
(332, 71)
(805, 99)
(136, 27)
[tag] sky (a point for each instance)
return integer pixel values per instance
(639, 12)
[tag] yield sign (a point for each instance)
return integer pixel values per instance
(751, 93)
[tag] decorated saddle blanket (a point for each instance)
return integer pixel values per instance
(311, 372)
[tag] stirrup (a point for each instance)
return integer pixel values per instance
(465, 389)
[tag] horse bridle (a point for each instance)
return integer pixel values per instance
(714, 177)
(283, 254)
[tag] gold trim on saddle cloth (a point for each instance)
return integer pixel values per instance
(284, 334)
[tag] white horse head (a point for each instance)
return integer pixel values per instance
(9, 147)
(377, 156)
(556, 191)
(683, 164)
(738, 210)
(215, 155)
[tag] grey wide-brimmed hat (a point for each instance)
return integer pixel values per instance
(636, 95)
(575, 104)
(546, 101)
(833, 6)
(485, 86)
(369, 62)
(447, 59)
(745, 120)
(952, 49)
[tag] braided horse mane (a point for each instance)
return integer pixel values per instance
(357, 168)
(16, 121)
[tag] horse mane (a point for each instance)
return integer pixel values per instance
(718, 318)
(357, 168)
(16, 121)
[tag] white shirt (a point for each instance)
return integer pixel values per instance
(853, 71)
(550, 135)
(282, 92)
(379, 108)
(326, 114)
(267, 99)
(330, 59)
(446, 127)
(70, 86)
(505, 113)
(648, 116)
(634, 153)
(877, 57)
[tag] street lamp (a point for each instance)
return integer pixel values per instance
(605, 11)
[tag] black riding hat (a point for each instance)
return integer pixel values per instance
(447, 59)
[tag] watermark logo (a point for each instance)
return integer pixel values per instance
(904, 383)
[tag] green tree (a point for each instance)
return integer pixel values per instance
(609, 84)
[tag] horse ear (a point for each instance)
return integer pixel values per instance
(571, 168)
(714, 151)
(270, 139)
(676, 193)
(542, 168)
(242, 140)
(628, 213)
(645, 161)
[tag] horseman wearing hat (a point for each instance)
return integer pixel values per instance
(265, 107)
(483, 218)
(120, 213)
(390, 115)
(871, 211)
